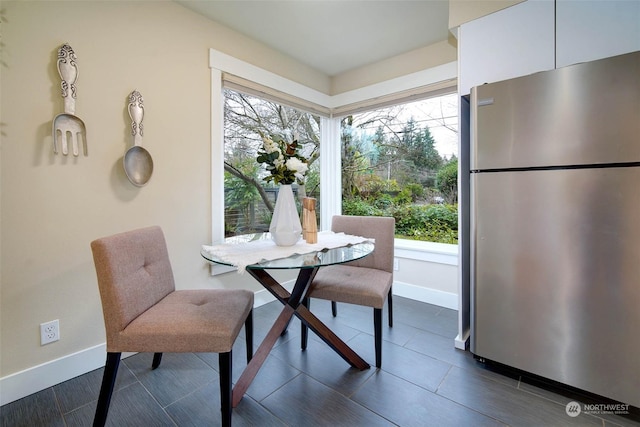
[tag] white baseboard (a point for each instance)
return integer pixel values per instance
(32, 380)
(262, 297)
(462, 340)
(429, 296)
(418, 293)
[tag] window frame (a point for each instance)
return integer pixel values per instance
(439, 78)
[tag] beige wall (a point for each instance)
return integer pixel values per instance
(410, 62)
(420, 280)
(52, 206)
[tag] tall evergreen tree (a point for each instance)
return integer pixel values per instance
(419, 147)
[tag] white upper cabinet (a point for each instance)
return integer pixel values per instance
(512, 42)
(590, 30)
(539, 35)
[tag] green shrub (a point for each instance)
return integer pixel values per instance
(357, 206)
(404, 197)
(417, 191)
(445, 215)
(447, 180)
(383, 202)
(433, 223)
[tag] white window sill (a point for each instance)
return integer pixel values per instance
(441, 253)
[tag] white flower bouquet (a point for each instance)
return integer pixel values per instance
(282, 160)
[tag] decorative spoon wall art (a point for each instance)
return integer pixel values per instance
(138, 164)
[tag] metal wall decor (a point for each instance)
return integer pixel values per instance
(67, 127)
(138, 164)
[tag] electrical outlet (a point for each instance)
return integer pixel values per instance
(49, 332)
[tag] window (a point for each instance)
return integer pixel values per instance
(248, 199)
(401, 161)
(228, 72)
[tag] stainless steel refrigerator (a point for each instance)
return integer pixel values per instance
(555, 225)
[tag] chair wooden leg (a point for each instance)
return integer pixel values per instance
(248, 333)
(334, 308)
(157, 358)
(224, 367)
(106, 389)
(377, 332)
(390, 303)
(304, 329)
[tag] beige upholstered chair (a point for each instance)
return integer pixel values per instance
(144, 313)
(363, 282)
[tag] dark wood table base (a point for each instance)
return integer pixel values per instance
(292, 306)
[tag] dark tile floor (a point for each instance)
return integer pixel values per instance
(424, 381)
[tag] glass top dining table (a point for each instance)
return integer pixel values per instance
(307, 264)
(320, 258)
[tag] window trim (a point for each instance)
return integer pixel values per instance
(442, 77)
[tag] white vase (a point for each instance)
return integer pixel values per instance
(285, 227)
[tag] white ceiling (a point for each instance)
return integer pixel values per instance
(333, 36)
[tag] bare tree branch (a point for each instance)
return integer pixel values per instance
(263, 194)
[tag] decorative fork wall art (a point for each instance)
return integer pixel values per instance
(67, 127)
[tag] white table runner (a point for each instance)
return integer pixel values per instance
(242, 254)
